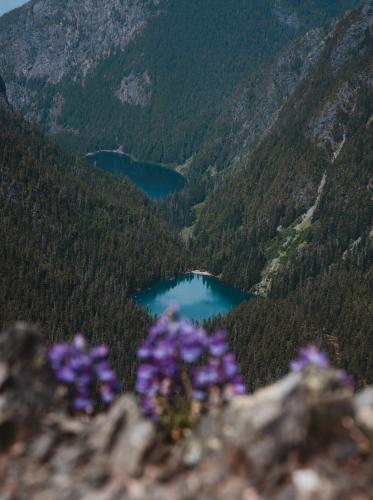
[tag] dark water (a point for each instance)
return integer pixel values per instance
(157, 181)
(199, 297)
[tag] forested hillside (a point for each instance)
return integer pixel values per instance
(74, 243)
(309, 183)
(268, 88)
(334, 310)
(294, 222)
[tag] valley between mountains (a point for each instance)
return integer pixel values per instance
(265, 107)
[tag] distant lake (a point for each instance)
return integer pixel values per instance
(199, 297)
(158, 182)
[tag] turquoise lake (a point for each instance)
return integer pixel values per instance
(199, 297)
(158, 182)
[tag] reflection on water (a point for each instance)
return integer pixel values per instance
(200, 297)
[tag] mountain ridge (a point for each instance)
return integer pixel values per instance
(128, 68)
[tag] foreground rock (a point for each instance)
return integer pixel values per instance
(302, 438)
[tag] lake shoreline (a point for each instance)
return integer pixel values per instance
(120, 151)
(203, 273)
(156, 180)
(200, 296)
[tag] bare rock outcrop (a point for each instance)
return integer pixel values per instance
(135, 90)
(304, 437)
(256, 106)
(352, 43)
(27, 388)
(53, 41)
(50, 51)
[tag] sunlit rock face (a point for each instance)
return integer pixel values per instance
(135, 90)
(55, 38)
(304, 437)
(48, 41)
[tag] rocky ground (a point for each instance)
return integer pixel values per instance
(302, 438)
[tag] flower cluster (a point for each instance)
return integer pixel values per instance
(311, 356)
(86, 372)
(183, 369)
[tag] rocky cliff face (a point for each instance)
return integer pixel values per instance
(328, 128)
(156, 75)
(48, 41)
(258, 103)
(255, 107)
(52, 39)
(302, 438)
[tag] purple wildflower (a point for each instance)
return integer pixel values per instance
(229, 366)
(169, 377)
(218, 344)
(310, 355)
(100, 352)
(238, 386)
(192, 345)
(66, 375)
(345, 379)
(150, 407)
(81, 369)
(219, 374)
(199, 395)
(83, 404)
(79, 342)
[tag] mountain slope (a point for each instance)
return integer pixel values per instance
(294, 221)
(313, 167)
(291, 220)
(102, 73)
(251, 111)
(74, 243)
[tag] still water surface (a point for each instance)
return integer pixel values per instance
(199, 297)
(157, 181)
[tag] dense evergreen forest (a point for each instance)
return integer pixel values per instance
(297, 219)
(333, 310)
(74, 243)
(292, 221)
(256, 214)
